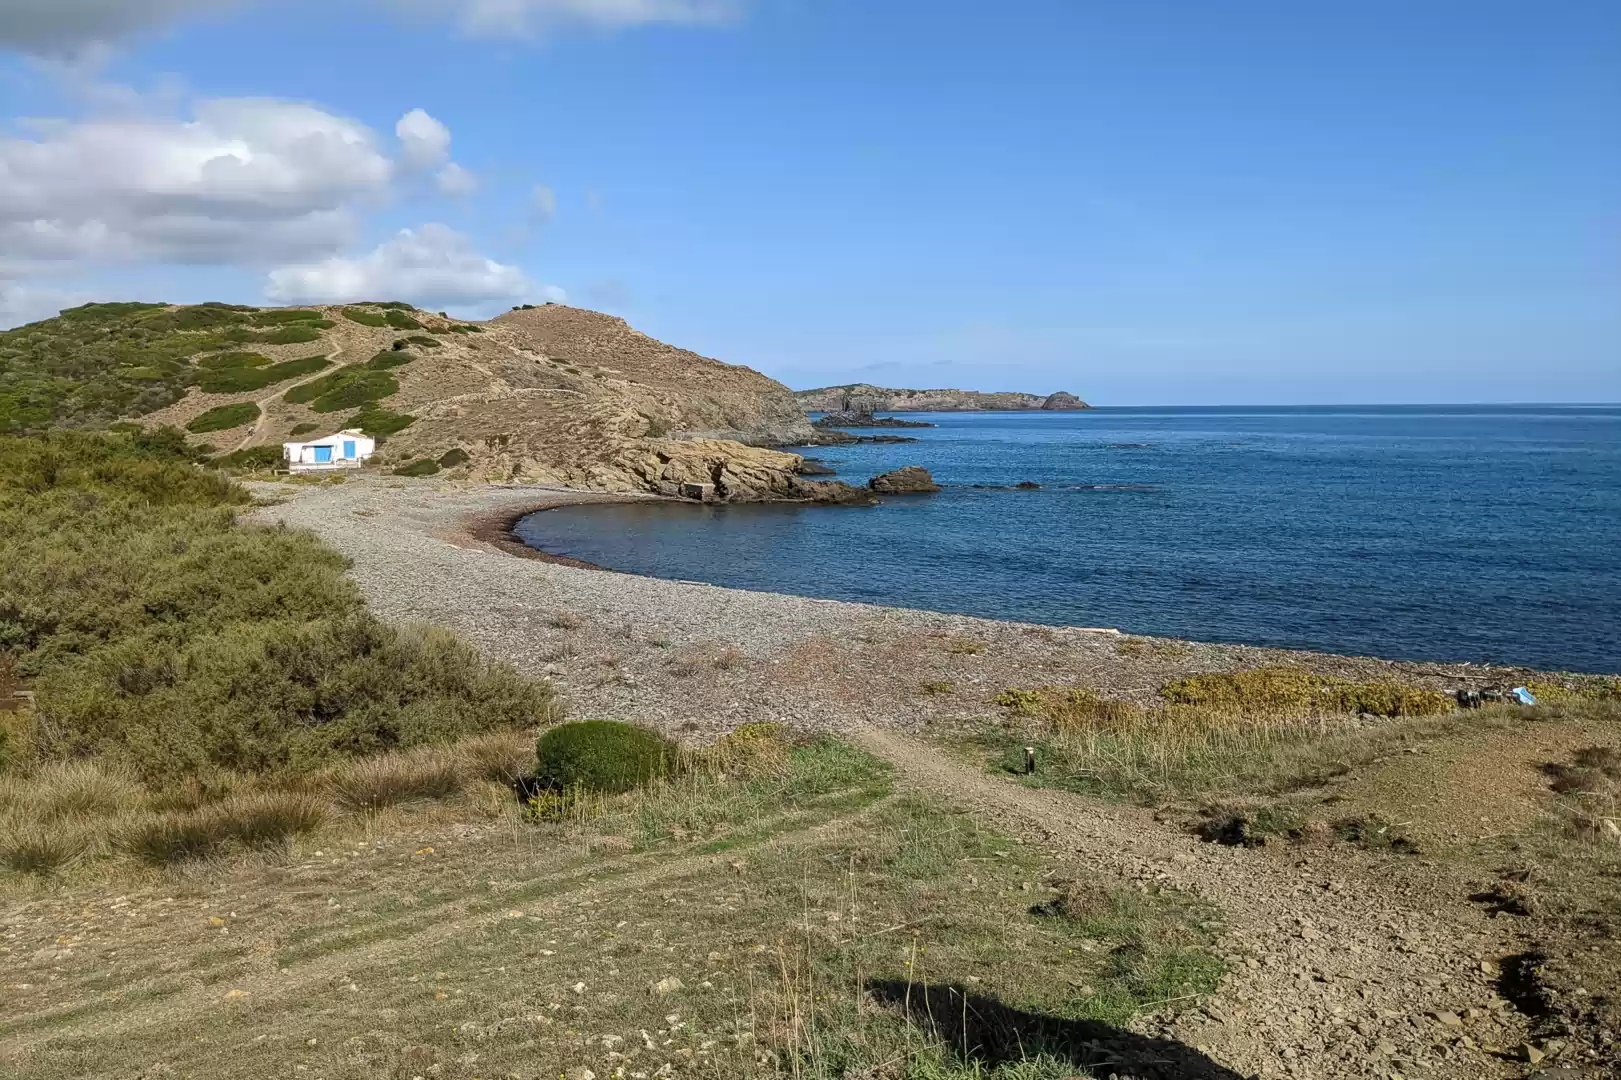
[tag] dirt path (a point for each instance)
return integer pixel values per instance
(281, 388)
(1341, 963)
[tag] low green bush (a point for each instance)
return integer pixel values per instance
(231, 360)
(303, 429)
(347, 388)
(243, 379)
(362, 388)
(281, 316)
(419, 467)
(423, 340)
(364, 317)
(399, 320)
(454, 457)
(251, 459)
(602, 755)
(224, 417)
(380, 422)
(387, 359)
(162, 636)
(464, 328)
(296, 334)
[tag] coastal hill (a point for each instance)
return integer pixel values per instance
(855, 396)
(547, 394)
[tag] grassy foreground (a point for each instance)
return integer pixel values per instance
(785, 915)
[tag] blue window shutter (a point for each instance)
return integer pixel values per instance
(348, 448)
(323, 453)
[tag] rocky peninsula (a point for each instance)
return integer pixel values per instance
(854, 397)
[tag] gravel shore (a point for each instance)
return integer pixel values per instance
(697, 659)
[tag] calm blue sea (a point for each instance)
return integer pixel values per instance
(1478, 533)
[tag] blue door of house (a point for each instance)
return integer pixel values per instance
(348, 448)
(323, 454)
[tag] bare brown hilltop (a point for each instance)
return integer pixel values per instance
(865, 396)
(549, 394)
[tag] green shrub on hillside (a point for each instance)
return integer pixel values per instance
(224, 417)
(399, 320)
(238, 380)
(453, 457)
(346, 388)
(363, 317)
(423, 340)
(251, 459)
(387, 305)
(296, 334)
(389, 359)
(93, 364)
(419, 467)
(362, 388)
(464, 328)
(279, 316)
(221, 361)
(380, 422)
(165, 637)
(303, 429)
(602, 755)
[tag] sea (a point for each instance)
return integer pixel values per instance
(1486, 534)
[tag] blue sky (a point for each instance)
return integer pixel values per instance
(1146, 202)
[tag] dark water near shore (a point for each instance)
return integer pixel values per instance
(1479, 533)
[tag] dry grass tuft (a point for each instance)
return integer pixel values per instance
(33, 847)
(565, 620)
(1297, 688)
(938, 687)
(256, 822)
(965, 646)
(78, 789)
(391, 779)
(729, 659)
(501, 757)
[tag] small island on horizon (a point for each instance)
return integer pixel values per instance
(867, 398)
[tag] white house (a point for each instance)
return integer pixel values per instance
(345, 450)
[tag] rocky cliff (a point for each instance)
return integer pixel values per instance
(551, 394)
(855, 396)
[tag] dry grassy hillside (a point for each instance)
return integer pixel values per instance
(551, 395)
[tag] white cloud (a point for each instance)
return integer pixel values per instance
(244, 180)
(455, 181)
(434, 267)
(543, 203)
(424, 141)
(26, 301)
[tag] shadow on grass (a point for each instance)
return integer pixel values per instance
(980, 1030)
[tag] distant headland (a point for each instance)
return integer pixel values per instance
(865, 397)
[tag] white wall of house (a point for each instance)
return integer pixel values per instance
(345, 450)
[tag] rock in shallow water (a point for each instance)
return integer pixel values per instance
(910, 480)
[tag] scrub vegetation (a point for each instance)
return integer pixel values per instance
(94, 364)
(180, 648)
(224, 417)
(347, 388)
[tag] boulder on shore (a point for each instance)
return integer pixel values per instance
(911, 480)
